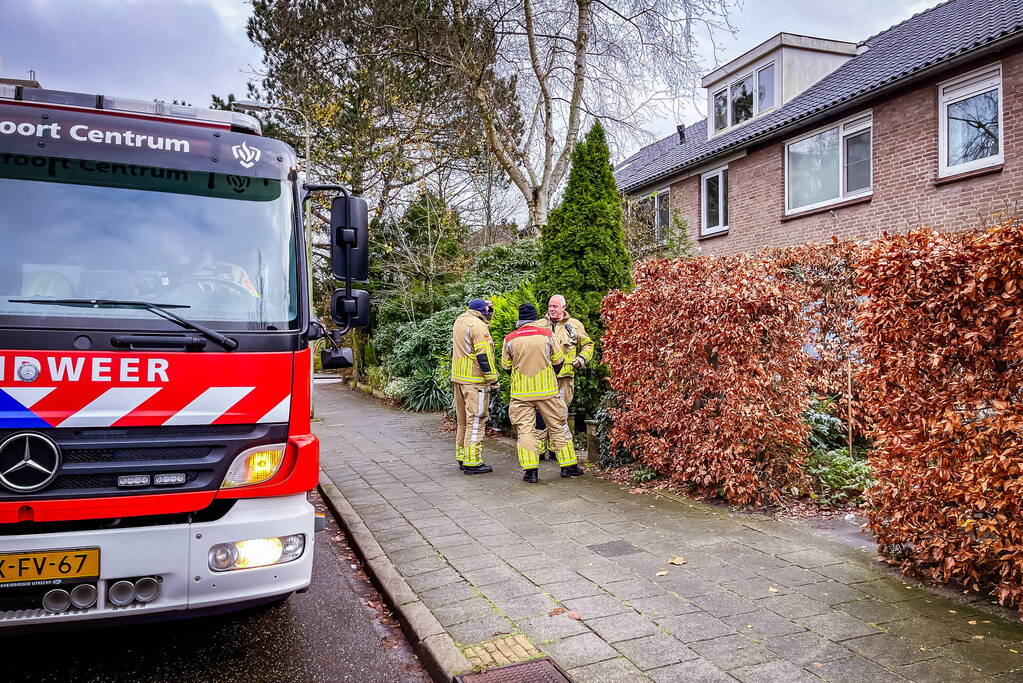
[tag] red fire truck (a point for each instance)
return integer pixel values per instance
(155, 441)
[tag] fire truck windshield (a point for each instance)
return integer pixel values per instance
(220, 244)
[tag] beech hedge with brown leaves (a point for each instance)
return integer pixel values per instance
(920, 336)
(942, 347)
(715, 360)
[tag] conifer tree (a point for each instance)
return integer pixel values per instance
(583, 253)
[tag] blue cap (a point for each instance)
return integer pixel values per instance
(478, 305)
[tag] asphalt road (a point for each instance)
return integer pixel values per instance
(336, 631)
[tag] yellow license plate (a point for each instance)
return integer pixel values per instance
(47, 565)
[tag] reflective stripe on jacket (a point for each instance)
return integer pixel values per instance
(530, 353)
(571, 336)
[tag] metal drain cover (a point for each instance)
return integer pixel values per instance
(534, 671)
(614, 548)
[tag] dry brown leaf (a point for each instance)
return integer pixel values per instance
(772, 589)
(635, 491)
(662, 573)
(677, 560)
(573, 615)
(978, 637)
(556, 611)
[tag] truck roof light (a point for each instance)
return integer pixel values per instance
(181, 112)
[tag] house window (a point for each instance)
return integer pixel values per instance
(656, 208)
(829, 165)
(714, 202)
(720, 110)
(744, 98)
(765, 88)
(970, 121)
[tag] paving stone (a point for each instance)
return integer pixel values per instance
(658, 606)
(446, 595)
(509, 588)
(941, 670)
(467, 550)
(435, 579)
(891, 590)
(806, 648)
(693, 671)
(723, 604)
(478, 630)
(856, 669)
(723, 572)
(991, 658)
(756, 588)
(655, 651)
(487, 575)
(623, 626)
(427, 564)
(732, 651)
(848, 573)
(874, 611)
(809, 558)
(580, 650)
(596, 606)
(830, 592)
(690, 587)
(888, 650)
(549, 575)
(525, 606)
(793, 606)
(926, 632)
(837, 626)
(696, 626)
(792, 576)
(771, 672)
(762, 624)
(579, 588)
(545, 628)
(465, 610)
(610, 671)
(474, 561)
(532, 562)
(635, 588)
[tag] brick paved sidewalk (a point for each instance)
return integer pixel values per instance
(756, 600)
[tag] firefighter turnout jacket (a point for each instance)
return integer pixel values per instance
(532, 356)
(571, 338)
(472, 350)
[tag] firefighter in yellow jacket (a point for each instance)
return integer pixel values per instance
(576, 347)
(534, 359)
(473, 376)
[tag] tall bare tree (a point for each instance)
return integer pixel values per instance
(535, 72)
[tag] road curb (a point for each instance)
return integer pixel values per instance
(437, 650)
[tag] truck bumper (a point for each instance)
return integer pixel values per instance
(177, 555)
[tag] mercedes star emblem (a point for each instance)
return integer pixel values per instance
(28, 462)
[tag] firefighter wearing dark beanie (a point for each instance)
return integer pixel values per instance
(534, 360)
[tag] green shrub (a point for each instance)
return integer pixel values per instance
(506, 314)
(429, 389)
(643, 474)
(419, 344)
(377, 377)
(837, 477)
(501, 267)
(608, 456)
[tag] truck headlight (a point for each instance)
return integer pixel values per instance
(254, 466)
(256, 552)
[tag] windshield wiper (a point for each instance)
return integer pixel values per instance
(158, 309)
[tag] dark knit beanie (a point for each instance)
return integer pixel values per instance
(527, 312)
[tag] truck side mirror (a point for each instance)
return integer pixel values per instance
(336, 358)
(349, 238)
(350, 311)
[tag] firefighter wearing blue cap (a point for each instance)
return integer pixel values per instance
(473, 376)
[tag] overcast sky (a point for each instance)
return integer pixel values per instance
(188, 49)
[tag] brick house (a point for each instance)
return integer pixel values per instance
(807, 138)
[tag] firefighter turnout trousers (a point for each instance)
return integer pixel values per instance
(566, 389)
(472, 406)
(523, 415)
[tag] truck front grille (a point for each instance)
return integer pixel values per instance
(93, 459)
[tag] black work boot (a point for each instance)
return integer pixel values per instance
(461, 465)
(531, 476)
(572, 471)
(482, 468)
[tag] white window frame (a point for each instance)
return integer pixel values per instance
(706, 231)
(846, 127)
(661, 232)
(962, 88)
(727, 89)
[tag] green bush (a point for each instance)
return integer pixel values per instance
(377, 377)
(837, 477)
(419, 344)
(608, 456)
(506, 314)
(428, 389)
(500, 268)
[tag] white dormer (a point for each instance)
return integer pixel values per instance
(768, 76)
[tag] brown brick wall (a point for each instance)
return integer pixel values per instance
(905, 166)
